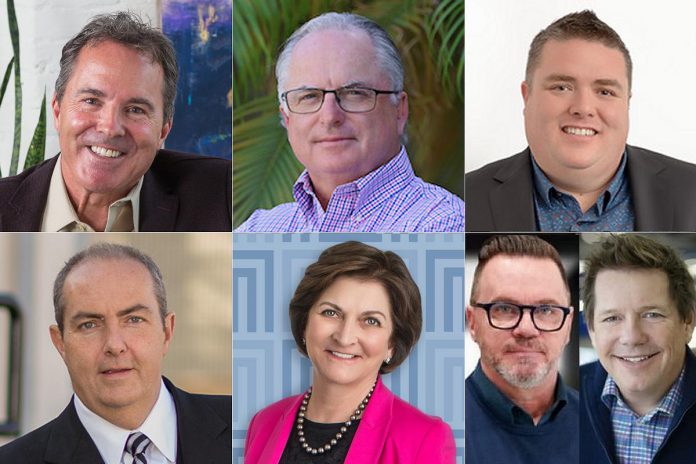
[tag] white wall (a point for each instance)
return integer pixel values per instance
(44, 27)
(661, 38)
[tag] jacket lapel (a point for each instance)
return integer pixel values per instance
(280, 434)
(158, 209)
(201, 432)
(600, 420)
(371, 435)
(69, 442)
(24, 209)
(512, 201)
(652, 203)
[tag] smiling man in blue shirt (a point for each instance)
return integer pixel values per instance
(637, 402)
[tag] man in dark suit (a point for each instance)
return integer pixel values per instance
(578, 173)
(112, 331)
(113, 108)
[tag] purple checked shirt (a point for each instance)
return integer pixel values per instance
(389, 199)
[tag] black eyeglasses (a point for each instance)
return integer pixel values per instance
(507, 316)
(349, 99)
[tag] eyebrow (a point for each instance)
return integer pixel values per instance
(571, 79)
(124, 312)
(368, 312)
(132, 101)
(543, 301)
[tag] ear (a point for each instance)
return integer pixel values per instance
(284, 115)
(55, 105)
(471, 322)
(166, 127)
(57, 339)
(402, 112)
(591, 333)
(569, 325)
(689, 329)
(524, 87)
(169, 320)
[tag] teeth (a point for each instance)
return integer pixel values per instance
(101, 151)
(343, 355)
(579, 131)
(634, 359)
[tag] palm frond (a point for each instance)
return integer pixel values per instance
(37, 147)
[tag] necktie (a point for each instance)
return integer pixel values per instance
(136, 445)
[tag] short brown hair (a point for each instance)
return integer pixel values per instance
(582, 25)
(631, 252)
(515, 245)
(357, 260)
(130, 30)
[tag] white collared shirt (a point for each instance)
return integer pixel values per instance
(59, 214)
(159, 426)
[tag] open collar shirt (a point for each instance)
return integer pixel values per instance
(637, 438)
(60, 216)
(389, 199)
(557, 211)
(160, 427)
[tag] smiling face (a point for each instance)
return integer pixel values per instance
(110, 120)
(576, 109)
(638, 334)
(338, 147)
(348, 332)
(523, 357)
(113, 341)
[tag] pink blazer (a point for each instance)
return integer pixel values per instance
(391, 431)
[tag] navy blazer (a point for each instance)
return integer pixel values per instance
(181, 192)
(499, 196)
(204, 435)
(596, 433)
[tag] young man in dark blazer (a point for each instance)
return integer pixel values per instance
(578, 173)
(112, 331)
(113, 109)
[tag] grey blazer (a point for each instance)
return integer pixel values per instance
(499, 196)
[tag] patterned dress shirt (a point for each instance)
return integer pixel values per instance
(637, 438)
(389, 199)
(557, 211)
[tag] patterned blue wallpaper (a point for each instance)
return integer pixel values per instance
(266, 363)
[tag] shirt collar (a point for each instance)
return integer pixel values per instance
(396, 171)
(60, 216)
(508, 411)
(667, 405)
(160, 426)
(545, 189)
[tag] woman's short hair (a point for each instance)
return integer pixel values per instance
(360, 261)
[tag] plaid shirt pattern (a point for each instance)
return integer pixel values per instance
(389, 199)
(637, 438)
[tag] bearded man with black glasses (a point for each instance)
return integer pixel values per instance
(342, 101)
(518, 410)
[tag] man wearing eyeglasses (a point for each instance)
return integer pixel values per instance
(639, 400)
(340, 85)
(518, 410)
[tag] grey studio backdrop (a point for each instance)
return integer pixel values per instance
(266, 364)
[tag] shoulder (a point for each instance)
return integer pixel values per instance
(408, 416)
(271, 414)
(41, 170)
(505, 166)
(277, 219)
(642, 157)
(179, 164)
(196, 404)
(29, 448)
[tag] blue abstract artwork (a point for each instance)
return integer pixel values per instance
(202, 36)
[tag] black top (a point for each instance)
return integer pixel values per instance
(318, 434)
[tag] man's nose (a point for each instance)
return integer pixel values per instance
(330, 112)
(110, 121)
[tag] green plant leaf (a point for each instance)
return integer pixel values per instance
(14, 36)
(37, 147)
(6, 79)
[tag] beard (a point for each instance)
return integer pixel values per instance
(526, 373)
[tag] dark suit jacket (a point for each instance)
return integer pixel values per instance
(181, 192)
(499, 196)
(204, 426)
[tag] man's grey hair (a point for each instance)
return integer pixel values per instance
(387, 55)
(130, 30)
(106, 251)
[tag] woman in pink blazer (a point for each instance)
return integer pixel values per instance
(356, 314)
